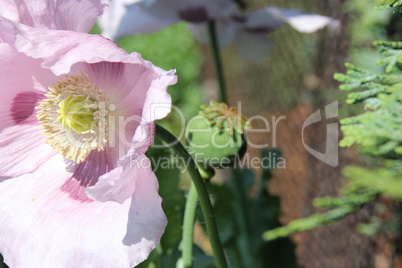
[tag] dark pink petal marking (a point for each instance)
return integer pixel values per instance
(87, 173)
(23, 106)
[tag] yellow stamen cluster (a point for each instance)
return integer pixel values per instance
(75, 117)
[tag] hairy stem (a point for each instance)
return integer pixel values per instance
(188, 227)
(203, 196)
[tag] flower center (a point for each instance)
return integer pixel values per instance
(75, 117)
(73, 114)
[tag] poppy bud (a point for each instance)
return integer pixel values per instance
(216, 137)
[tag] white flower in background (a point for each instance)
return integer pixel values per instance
(248, 30)
(125, 17)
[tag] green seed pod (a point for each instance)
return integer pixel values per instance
(215, 137)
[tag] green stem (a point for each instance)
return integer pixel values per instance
(242, 216)
(158, 261)
(203, 196)
(217, 60)
(188, 227)
(243, 241)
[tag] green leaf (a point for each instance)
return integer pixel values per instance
(383, 4)
(173, 200)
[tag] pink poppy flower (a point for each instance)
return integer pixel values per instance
(77, 116)
(72, 15)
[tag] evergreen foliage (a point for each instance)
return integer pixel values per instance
(383, 4)
(377, 131)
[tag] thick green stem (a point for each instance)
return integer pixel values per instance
(203, 196)
(217, 60)
(188, 227)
